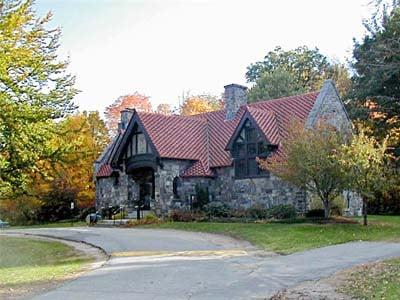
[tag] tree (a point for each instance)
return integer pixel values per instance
(35, 89)
(302, 69)
(339, 73)
(363, 161)
(113, 112)
(306, 65)
(164, 109)
(197, 104)
(308, 161)
(277, 84)
(87, 136)
(375, 99)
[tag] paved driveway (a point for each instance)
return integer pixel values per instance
(199, 266)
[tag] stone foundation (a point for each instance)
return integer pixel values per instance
(238, 193)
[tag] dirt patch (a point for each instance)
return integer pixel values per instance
(312, 290)
(337, 286)
(27, 291)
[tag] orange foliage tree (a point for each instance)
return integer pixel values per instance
(198, 104)
(53, 185)
(113, 112)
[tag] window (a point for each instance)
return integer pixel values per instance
(141, 144)
(248, 145)
(175, 187)
(138, 144)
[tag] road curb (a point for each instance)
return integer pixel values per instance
(104, 253)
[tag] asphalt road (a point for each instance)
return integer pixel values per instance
(198, 266)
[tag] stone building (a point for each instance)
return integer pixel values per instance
(156, 161)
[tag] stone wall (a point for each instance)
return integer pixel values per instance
(330, 108)
(269, 191)
(164, 178)
(114, 191)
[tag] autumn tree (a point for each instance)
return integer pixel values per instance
(35, 89)
(113, 112)
(375, 100)
(364, 166)
(197, 104)
(87, 135)
(308, 161)
(164, 109)
(55, 184)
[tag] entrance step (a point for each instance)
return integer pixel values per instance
(112, 223)
(143, 213)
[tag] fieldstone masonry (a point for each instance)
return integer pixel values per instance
(238, 193)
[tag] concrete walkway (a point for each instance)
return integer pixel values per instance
(166, 264)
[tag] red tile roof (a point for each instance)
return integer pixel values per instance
(204, 137)
(104, 171)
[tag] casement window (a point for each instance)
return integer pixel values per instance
(249, 145)
(137, 145)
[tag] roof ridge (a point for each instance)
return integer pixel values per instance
(255, 103)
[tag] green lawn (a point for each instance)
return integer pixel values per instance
(51, 225)
(374, 281)
(25, 261)
(289, 238)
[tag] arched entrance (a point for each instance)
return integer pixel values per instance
(144, 180)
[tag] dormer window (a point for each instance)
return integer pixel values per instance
(249, 145)
(138, 144)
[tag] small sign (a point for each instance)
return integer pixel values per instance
(72, 205)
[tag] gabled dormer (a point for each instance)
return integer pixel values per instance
(246, 144)
(135, 149)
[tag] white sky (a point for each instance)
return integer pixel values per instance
(162, 48)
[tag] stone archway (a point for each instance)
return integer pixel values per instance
(144, 180)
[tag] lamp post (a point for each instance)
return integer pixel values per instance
(72, 210)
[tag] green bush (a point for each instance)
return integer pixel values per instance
(257, 211)
(337, 205)
(218, 209)
(315, 213)
(202, 198)
(118, 216)
(283, 211)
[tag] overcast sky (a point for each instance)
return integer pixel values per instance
(162, 48)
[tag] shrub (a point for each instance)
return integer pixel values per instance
(218, 209)
(147, 220)
(178, 215)
(118, 216)
(283, 211)
(336, 210)
(257, 211)
(240, 213)
(150, 219)
(202, 198)
(315, 213)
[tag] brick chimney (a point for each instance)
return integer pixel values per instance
(235, 96)
(126, 115)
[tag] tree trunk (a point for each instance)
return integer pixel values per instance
(365, 213)
(327, 209)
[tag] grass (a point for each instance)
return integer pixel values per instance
(50, 225)
(374, 281)
(288, 238)
(25, 261)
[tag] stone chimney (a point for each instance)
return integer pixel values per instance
(235, 96)
(126, 115)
